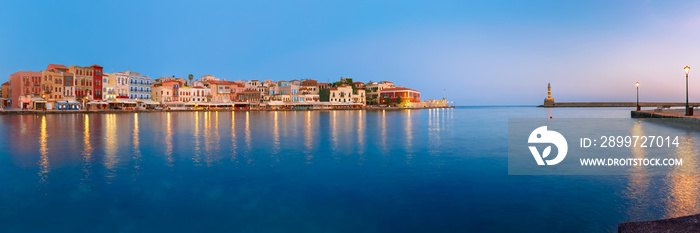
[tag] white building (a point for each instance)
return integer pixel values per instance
(139, 86)
(121, 81)
(341, 94)
(109, 87)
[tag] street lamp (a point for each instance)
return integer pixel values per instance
(638, 108)
(687, 107)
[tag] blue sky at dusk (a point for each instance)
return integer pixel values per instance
(481, 52)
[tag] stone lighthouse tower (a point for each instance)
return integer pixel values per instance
(549, 101)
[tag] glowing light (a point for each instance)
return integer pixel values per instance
(44, 150)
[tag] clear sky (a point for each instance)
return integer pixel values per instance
(480, 52)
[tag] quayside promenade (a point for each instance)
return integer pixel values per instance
(666, 113)
(112, 111)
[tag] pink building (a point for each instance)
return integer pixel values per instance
(25, 84)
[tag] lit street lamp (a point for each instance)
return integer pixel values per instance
(638, 108)
(687, 107)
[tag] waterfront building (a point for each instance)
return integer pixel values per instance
(83, 83)
(68, 86)
(109, 87)
(186, 94)
(288, 87)
(23, 86)
(200, 93)
(221, 91)
(407, 96)
(322, 86)
(171, 90)
(139, 86)
(237, 88)
(97, 81)
(250, 96)
(306, 98)
(162, 94)
(310, 86)
(4, 92)
(307, 94)
(373, 88)
(342, 94)
(359, 96)
(52, 83)
(121, 84)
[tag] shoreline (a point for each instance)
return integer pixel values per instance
(113, 111)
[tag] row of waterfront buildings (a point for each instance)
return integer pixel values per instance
(79, 87)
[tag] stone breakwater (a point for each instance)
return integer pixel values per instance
(616, 104)
(680, 224)
(678, 114)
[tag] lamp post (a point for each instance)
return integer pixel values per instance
(638, 108)
(687, 107)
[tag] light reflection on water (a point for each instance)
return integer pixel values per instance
(315, 171)
(684, 190)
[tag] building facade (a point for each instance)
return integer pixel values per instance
(373, 88)
(24, 84)
(406, 95)
(97, 81)
(341, 94)
(83, 83)
(139, 86)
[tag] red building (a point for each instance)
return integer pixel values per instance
(97, 80)
(389, 95)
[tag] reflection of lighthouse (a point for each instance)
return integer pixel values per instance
(549, 101)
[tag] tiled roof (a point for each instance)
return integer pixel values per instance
(56, 66)
(398, 89)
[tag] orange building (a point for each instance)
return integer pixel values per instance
(25, 84)
(407, 95)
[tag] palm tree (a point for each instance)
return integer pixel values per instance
(191, 77)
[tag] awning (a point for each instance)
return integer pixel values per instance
(150, 102)
(125, 101)
(36, 100)
(276, 103)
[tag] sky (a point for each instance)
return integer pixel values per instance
(472, 52)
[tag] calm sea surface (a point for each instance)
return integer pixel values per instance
(321, 171)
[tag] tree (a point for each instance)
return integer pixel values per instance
(191, 77)
(386, 101)
(398, 100)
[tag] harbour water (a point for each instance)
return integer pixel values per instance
(439, 170)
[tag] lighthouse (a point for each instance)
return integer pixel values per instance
(549, 101)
